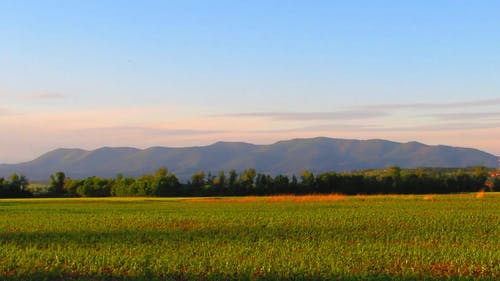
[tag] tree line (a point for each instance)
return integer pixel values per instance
(392, 180)
(15, 186)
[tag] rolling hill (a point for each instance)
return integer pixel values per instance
(284, 157)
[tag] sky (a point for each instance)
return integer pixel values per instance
(96, 73)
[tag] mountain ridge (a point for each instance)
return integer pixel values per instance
(320, 154)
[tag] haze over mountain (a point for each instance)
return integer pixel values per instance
(284, 157)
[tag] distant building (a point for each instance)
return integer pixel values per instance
(492, 178)
(495, 174)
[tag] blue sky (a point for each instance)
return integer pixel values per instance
(179, 73)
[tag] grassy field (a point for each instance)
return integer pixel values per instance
(450, 237)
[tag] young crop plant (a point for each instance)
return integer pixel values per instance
(312, 237)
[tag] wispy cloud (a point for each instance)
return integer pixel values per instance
(62, 118)
(317, 128)
(381, 129)
(311, 116)
(463, 104)
(5, 111)
(439, 127)
(466, 116)
(43, 96)
(150, 132)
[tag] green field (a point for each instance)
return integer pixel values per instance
(455, 237)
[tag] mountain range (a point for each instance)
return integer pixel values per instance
(284, 157)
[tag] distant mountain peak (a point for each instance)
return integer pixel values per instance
(318, 154)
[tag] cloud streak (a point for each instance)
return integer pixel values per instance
(43, 96)
(463, 104)
(4, 111)
(150, 132)
(445, 127)
(466, 116)
(332, 128)
(310, 116)
(317, 128)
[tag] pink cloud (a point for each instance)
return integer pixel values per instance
(311, 116)
(5, 111)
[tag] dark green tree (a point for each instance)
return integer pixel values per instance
(56, 185)
(165, 184)
(307, 179)
(247, 178)
(198, 179)
(220, 182)
(16, 186)
(233, 178)
(95, 187)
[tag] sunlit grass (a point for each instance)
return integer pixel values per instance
(320, 237)
(272, 199)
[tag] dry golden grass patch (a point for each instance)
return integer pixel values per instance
(480, 194)
(430, 197)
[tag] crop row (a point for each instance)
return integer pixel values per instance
(350, 238)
